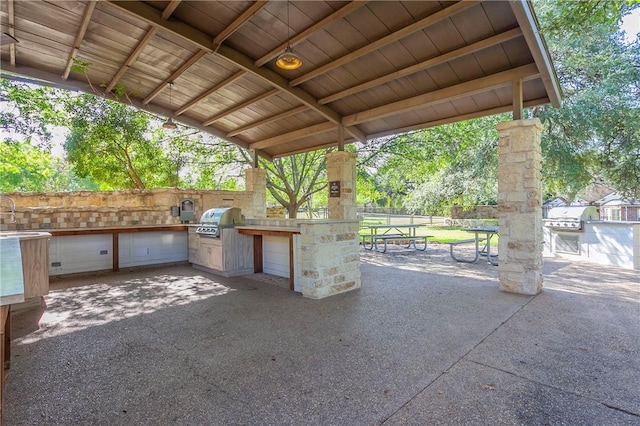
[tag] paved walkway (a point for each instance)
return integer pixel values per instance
(425, 341)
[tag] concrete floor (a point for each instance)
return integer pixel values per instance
(425, 341)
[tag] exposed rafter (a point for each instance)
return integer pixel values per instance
(88, 11)
(152, 16)
(449, 120)
(339, 14)
(483, 44)
(295, 135)
(177, 73)
(132, 57)
(238, 22)
(240, 106)
(171, 7)
(209, 92)
(268, 120)
(12, 31)
(384, 41)
(468, 88)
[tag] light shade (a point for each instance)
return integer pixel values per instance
(7, 39)
(169, 124)
(289, 60)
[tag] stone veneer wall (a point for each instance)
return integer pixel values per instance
(476, 212)
(329, 258)
(327, 253)
(89, 209)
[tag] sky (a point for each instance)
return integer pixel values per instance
(631, 25)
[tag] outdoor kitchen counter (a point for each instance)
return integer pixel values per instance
(115, 231)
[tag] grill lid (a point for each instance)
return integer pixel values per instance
(222, 217)
(573, 213)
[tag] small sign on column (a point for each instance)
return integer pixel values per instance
(334, 188)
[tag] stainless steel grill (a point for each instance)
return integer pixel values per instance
(213, 220)
(570, 218)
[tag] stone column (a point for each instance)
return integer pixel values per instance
(520, 206)
(341, 167)
(256, 187)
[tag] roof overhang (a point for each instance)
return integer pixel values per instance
(369, 68)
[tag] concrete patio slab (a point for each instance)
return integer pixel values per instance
(415, 345)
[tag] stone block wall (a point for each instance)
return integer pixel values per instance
(88, 209)
(476, 212)
(329, 258)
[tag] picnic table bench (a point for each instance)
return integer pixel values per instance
(394, 233)
(489, 231)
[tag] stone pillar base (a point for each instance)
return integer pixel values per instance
(520, 206)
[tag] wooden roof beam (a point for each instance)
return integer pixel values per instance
(268, 120)
(239, 21)
(295, 135)
(449, 120)
(528, 22)
(177, 73)
(339, 14)
(241, 106)
(282, 83)
(88, 11)
(198, 38)
(429, 63)
(132, 57)
(314, 148)
(209, 92)
(447, 94)
(171, 7)
(384, 41)
(12, 31)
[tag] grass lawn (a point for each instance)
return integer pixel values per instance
(441, 234)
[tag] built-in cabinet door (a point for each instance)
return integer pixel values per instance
(275, 256)
(80, 253)
(149, 248)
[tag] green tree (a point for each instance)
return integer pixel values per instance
(26, 168)
(595, 135)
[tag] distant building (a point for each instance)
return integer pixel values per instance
(614, 207)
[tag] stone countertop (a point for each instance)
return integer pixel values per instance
(25, 235)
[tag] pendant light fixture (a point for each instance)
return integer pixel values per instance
(288, 60)
(169, 124)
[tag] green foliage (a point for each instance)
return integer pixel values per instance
(594, 136)
(30, 112)
(26, 168)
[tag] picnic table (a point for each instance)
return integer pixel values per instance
(481, 234)
(405, 234)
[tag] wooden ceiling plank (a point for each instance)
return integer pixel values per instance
(339, 14)
(449, 120)
(209, 92)
(132, 57)
(472, 48)
(384, 41)
(171, 7)
(282, 83)
(195, 58)
(12, 31)
(239, 21)
(468, 88)
(154, 17)
(241, 106)
(268, 120)
(193, 35)
(88, 11)
(295, 135)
